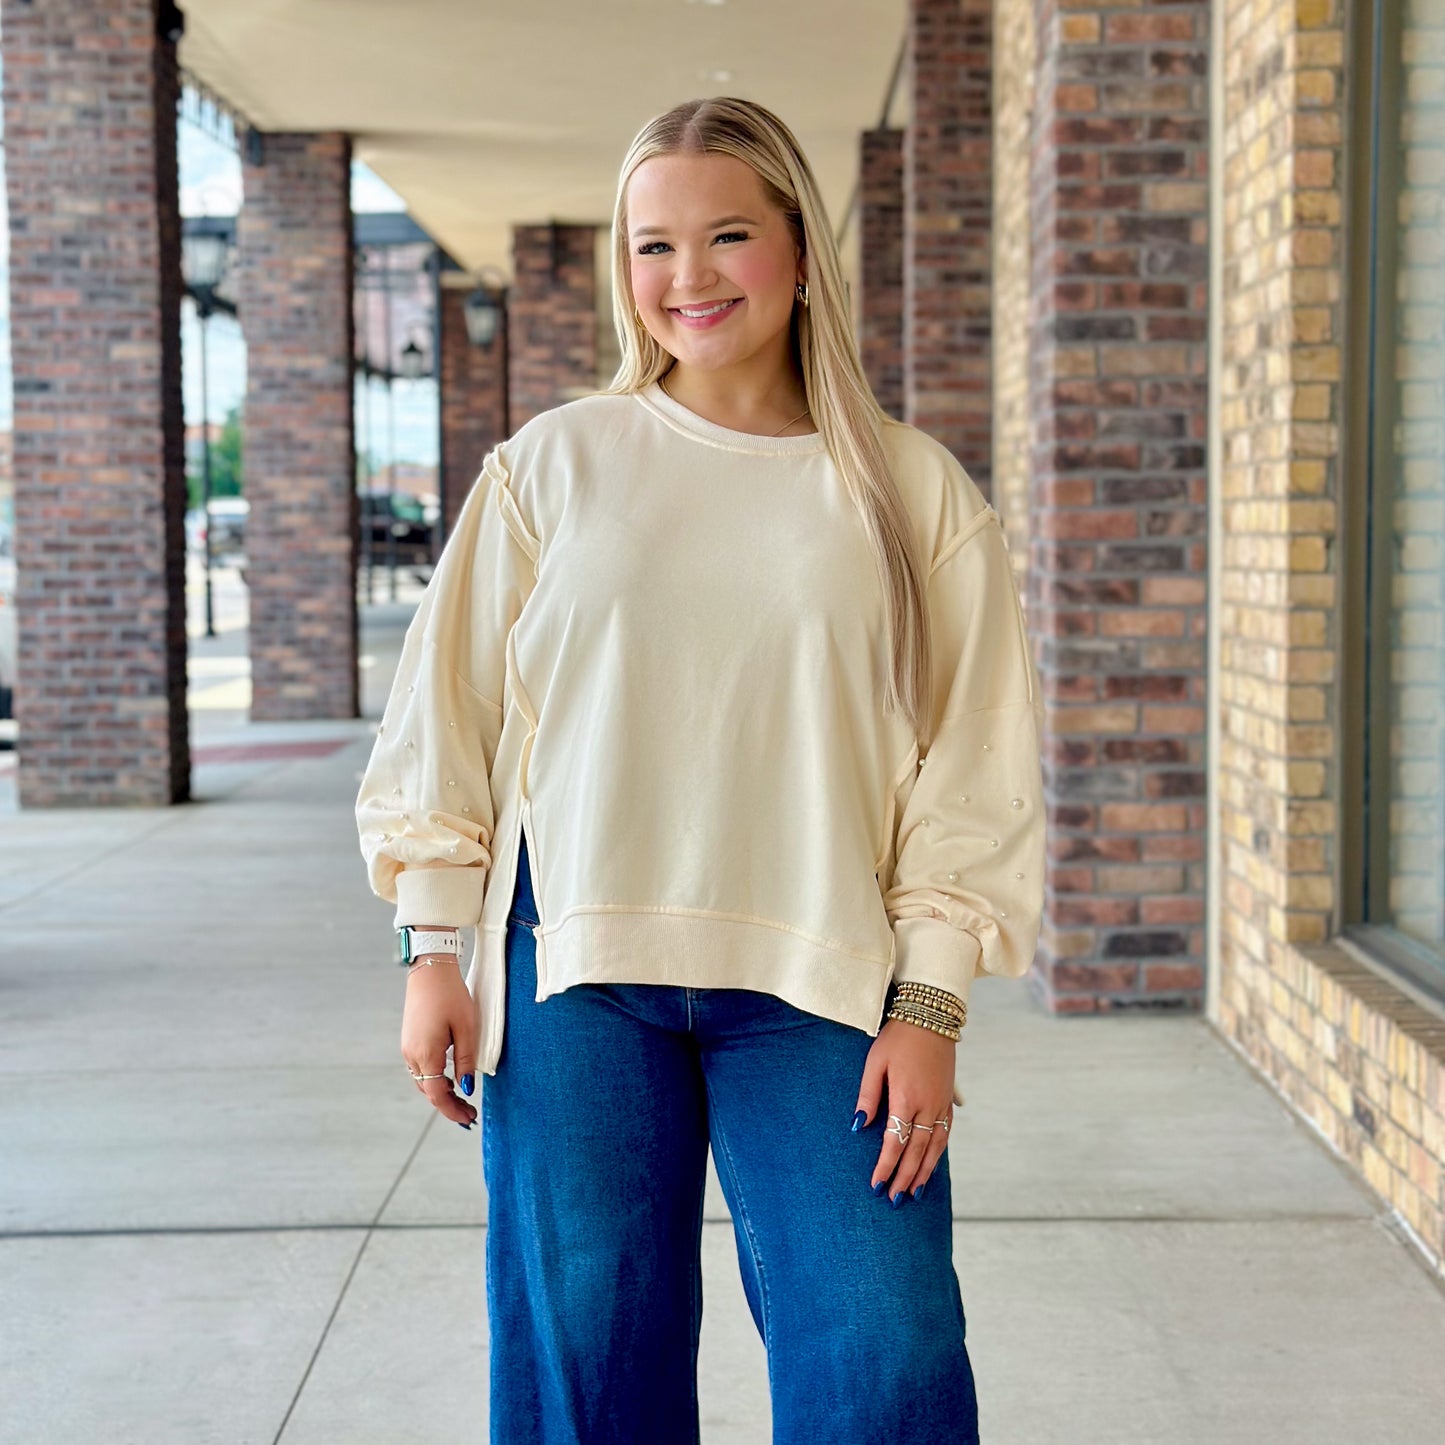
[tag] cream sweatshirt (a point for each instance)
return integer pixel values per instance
(659, 646)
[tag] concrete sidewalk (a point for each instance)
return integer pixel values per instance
(226, 1216)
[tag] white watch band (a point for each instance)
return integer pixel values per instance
(432, 940)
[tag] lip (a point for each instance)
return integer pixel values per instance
(703, 323)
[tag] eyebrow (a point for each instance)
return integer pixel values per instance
(724, 221)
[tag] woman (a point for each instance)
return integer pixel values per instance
(718, 722)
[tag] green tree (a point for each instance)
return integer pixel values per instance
(225, 462)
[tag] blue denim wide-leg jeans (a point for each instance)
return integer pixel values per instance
(595, 1131)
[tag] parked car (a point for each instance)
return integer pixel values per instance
(400, 520)
(227, 525)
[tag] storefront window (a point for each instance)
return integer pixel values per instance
(1401, 912)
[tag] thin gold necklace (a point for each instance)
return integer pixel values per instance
(662, 382)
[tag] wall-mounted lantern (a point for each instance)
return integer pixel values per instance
(413, 361)
(483, 311)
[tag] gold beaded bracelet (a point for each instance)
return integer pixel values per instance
(912, 991)
(948, 1032)
(928, 1007)
(938, 1015)
(914, 1014)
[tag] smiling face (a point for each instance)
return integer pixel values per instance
(713, 261)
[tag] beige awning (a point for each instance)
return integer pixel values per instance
(486, 113)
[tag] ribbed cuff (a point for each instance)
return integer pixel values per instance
(928, 950)
(442, 895)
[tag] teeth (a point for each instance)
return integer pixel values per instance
(711, 310)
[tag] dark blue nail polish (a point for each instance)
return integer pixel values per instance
(460, 1125)
(858, 1119)
(898, 1198)
(468, 1084)
(918, 1193)
(879, 1187)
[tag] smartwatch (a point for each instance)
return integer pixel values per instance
(418, 941)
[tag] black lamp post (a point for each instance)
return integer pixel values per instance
(204, 257)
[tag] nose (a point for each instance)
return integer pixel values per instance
(693, 272)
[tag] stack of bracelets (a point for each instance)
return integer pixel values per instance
(929, 1007)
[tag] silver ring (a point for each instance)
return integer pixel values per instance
(420, 1077)
(944, 1122)
(898, 1128)
(927, 1128)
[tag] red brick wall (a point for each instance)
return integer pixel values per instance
(948, 201)
(1117, 481)
(552, 318)
(880, 289)
(473, 400)
(302, 541)
(95, 287)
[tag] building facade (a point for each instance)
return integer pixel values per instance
(1169, 281)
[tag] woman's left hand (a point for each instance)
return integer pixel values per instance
(916, 1064)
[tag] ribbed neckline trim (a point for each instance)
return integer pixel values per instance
(680, 418)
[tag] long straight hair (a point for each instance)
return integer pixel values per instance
(844, 408)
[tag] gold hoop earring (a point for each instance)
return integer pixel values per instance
(802, 291)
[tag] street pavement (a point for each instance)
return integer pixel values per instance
(226, 1215)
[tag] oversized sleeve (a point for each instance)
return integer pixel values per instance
(966, 892)
(424, 809)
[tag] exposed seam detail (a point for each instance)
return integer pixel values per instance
(1025, 702)
(906, 769)
(975, 524)
(742, 449)
(505, 501)
(461, 677)
(665, 910)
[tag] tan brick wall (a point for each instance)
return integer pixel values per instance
(1014, 58)
(1355, 1057)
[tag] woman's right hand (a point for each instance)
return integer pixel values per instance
(440, 1012)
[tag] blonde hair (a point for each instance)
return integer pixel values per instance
(844, 408)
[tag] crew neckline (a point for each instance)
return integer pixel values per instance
(681, 418)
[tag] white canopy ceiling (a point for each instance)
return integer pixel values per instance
(486, 113)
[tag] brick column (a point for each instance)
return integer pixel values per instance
(296, 265)
(1117, 487)
(473, 398)
(552, 318)
(95, 291)
(948, 200)
(880, 290)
